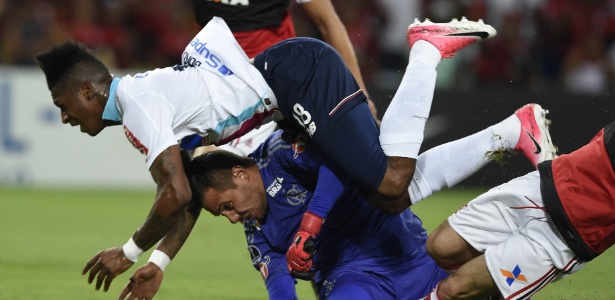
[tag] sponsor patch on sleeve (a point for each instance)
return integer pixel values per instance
(135, 142)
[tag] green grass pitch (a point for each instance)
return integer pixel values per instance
(47, 236)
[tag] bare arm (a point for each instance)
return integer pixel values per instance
(146, 281)
(333, 31)
(181, 229)
(172, 195)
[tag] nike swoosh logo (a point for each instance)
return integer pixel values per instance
(538, 149)
(481, 34)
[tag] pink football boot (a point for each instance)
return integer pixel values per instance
(449, 37)
(535, 140)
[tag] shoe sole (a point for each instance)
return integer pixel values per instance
(477, 29)
(549, 150)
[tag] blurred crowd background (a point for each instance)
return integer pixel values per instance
(542, 45)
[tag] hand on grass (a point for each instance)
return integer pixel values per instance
(143, 284)
(107, 264)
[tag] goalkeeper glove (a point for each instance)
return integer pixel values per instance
(299, 255)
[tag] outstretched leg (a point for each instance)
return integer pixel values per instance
(404, 121)
(317, 94)
(446, 165)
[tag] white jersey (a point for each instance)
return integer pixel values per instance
(218, 97)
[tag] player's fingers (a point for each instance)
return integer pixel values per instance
(306, 266)
(94, 271)
(127, 289)
(294, 267)
(299, 267)
(101, 277)
(108, 281)
(89, 264)
(306, 257)
(137, 278)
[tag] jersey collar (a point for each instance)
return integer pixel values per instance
(111, 112)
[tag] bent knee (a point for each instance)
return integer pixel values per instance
(454, 287)
(447, 248)
(436, 248)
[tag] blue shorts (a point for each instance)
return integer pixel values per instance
(317, 94)
(410, 280)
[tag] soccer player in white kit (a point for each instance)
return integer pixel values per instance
(437, 168)
(218, 96)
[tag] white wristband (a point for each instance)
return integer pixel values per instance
(160, 259)
(131, 250)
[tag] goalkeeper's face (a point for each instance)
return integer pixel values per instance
(245, 202)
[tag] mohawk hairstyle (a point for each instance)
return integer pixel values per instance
(214, 170)
(58, 61)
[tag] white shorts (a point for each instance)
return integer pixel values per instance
(523, 250)
(247, 143)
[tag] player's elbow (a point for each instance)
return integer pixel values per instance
(390, 206)
(394, 191)
(173, 199)
(394, 209)
(182, 196)
(396, 180)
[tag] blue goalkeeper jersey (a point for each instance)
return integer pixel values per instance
(354, 236)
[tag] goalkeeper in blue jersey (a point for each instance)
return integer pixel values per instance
(301, 215)
(283, 192)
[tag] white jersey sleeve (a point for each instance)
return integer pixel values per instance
(148, 126)
(161, 107)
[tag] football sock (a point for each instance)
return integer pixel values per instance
(401, 130)
(446, 165)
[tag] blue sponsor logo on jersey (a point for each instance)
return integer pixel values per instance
(211, 59)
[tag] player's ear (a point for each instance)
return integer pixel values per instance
(87, 90)
(239, 172)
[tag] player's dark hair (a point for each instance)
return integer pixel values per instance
(214, 170)
(70, 59)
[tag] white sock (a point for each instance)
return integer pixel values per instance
(401, 130)
(446, 165)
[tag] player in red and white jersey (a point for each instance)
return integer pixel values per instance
(536, 229)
